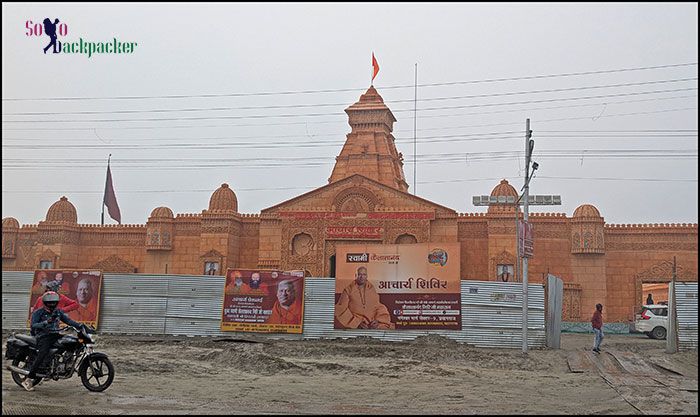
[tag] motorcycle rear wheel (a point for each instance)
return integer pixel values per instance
(23, 362)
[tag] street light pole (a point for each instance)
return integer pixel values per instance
(526, 196)
(523, 233)
(517, 240)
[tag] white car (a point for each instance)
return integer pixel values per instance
(653, 321)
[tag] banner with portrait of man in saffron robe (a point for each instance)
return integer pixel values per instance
(398, 287)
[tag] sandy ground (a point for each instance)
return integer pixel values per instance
(431, 375)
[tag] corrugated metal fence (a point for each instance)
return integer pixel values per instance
(191, 305)
(687, 314)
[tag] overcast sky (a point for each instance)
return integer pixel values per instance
(621, 136)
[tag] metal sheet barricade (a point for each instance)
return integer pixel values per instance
(191, 305)
(687, 315)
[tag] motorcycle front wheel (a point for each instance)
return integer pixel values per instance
(96, 372)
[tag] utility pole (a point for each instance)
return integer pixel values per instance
(529, 145)
(524, 237)
(672, 333)
(517, 242)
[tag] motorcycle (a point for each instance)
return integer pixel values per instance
(69, 354)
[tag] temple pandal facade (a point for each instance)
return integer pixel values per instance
(366, 201)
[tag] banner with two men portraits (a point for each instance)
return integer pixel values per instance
(82, 286)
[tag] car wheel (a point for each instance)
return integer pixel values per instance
(659, 332)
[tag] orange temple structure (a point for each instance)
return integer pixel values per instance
(366, 201)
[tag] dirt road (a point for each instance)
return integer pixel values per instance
(431, 375)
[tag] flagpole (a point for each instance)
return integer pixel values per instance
(105, 193)
(415, 100)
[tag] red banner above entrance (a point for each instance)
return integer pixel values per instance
(311, 215)
(353, 232)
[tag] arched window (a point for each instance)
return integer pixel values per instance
(576, 241)
(406, 238)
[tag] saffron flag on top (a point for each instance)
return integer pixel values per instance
(110, 200)
(375, 67)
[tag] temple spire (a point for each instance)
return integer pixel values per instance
(369, 149)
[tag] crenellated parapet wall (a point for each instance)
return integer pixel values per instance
(654, 236)
(51, 233)
(111, 227)
(470, 215)
(550, 225)
(652, 226)
(28, 228)
(472, 226)
(188, 215)
(271, 216)
(188, 224)
(112, 235)
(446, 216)
(539, 216)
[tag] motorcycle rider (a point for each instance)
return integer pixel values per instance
(45, 326)
(66, 304)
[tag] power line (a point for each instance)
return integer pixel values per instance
(208, 190)
(356, 89)
(224, 145)
(316, 144)
(301, 162)
(635, 134)
(617, 115)
(326, 122)
(622, 179)
(262, 116)
(295, 106)
(618, 131)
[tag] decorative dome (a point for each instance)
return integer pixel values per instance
(223, 199)
(504, 189)
(10, 223)
(586, 210)
(62, 211)
(162, 213)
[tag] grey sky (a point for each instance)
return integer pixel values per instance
(198, 49)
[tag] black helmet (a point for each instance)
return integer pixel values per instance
(50, 299)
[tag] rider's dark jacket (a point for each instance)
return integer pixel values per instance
(41, 325)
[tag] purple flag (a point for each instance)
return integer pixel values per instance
(110, 200)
